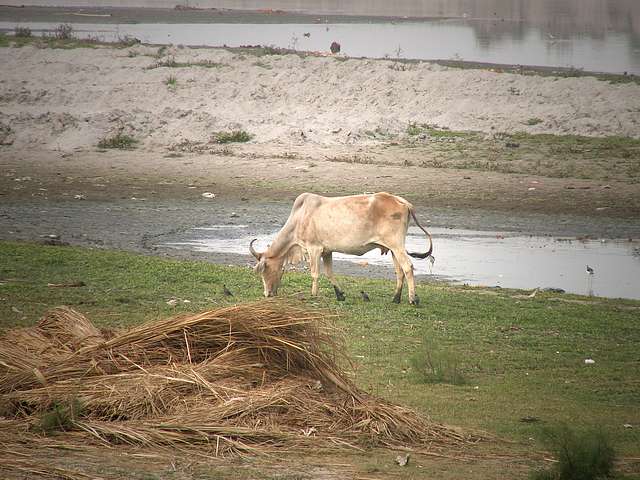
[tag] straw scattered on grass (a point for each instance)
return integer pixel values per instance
(245, 379)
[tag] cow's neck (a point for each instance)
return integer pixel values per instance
(281, 244)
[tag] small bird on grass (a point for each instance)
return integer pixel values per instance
(364, 296)
(227, 292)
(590, 270)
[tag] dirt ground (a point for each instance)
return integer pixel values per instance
(331, 125)
(478, 462)
(126, 199)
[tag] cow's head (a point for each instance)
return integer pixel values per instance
(270, 269)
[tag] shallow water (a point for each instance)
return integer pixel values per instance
(483, 258)
(429, 40)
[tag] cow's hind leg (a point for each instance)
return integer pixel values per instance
(327, 259)
(399, 279)
(314, 266)
(407, 268)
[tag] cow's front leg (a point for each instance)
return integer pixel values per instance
(327, 259)
(314, 266)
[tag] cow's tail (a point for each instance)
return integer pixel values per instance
(430, 251)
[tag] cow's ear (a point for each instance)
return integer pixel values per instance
(260, 266)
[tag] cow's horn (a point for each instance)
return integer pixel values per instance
(253, 250)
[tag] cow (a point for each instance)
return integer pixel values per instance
(356, 224)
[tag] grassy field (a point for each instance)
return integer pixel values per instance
(513, 356)
(556, 156)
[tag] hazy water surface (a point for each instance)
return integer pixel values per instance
(598, 35)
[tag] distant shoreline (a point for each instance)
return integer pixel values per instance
(173, 14)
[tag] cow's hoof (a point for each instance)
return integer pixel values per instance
(415, 301)
(396, 299)
(339, 294)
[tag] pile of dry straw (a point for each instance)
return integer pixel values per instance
(243, 379)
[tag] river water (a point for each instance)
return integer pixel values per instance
(594, 35)
(480, 258)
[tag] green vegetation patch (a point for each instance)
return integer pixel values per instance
(433, 364)
(235, 136)
(171, 81)
(261, 51)
(170, 62)
(415, 129)
(60, 416)
(571, 72)
(611, 158)
(580, 455)
(120, 140)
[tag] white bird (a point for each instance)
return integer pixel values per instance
(590, 270)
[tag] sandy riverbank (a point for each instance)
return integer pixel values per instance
(69, 99)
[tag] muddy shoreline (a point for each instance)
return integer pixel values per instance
(146, 226)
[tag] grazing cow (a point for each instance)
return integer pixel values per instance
(319, 226)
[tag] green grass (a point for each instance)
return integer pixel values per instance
(414, 129)
(613, 78)
(60, 416)
(171, 81)
(261, 51)
(519, 356)
(119, 141)
(170, 62)
(432, 364)
(580, 455)
(611, 158)
(235, 136)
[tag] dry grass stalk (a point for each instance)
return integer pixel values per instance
(237, 380)
(59, 333)
(213, 439)
(144, 393)
(24, 349)
(286, 339)
(69, 329)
